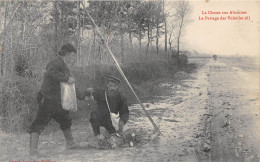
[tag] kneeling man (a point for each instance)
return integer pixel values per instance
(109, 99)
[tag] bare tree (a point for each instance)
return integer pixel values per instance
(4, 37)
(157, 34)
(165, 28)
(122, 42)
(78, 32)
(171, 38)
(183, 9)
(55, 11)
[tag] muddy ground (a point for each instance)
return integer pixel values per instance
(210, 115)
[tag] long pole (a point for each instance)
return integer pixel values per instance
(123, 75)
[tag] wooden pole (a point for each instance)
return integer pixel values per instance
(123, 75)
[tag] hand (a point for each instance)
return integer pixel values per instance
(40, 98)
(100, 137)
(71, 80)
(90, 90)
(120, 126)
(88, 94)
(89, 98)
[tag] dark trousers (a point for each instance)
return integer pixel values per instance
(49, 109)
(98, 119)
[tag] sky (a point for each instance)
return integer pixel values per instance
(224, 37)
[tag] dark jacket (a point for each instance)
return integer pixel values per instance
(56, 71)
(117, 104)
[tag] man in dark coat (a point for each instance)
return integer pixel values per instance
(117, 104)
(49, 98)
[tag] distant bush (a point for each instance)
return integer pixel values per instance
(190, 67)
(139, 72)
(181, 63)
(183, 60)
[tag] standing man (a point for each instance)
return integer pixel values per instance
(117, 104)
(49, 98)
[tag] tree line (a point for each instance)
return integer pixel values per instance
(33, 31)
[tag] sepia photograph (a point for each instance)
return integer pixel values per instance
(129, 80)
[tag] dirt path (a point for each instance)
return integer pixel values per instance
(209, 117)
(235, 123)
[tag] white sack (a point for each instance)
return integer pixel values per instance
(68, 96)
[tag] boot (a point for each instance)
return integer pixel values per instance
(70, 144)
(34, 137)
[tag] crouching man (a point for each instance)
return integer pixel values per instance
(109, 99)
(49, 98)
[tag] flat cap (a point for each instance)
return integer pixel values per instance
(111, 78)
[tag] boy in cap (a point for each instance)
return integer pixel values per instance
(49, 98)
(117, 104)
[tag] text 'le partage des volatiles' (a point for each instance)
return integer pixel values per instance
(224, 15)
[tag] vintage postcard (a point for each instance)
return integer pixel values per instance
(129, 80)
